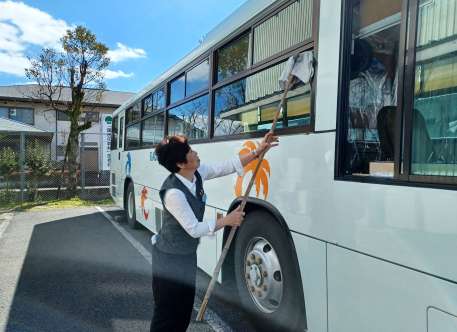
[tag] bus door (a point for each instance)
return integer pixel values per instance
(119, 160)
(116, 156)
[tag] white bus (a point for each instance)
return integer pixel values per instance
(351, 224)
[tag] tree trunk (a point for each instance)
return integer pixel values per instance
(34, 188)
(72, 162)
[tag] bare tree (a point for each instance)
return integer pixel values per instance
(68, 79)
(231, 97)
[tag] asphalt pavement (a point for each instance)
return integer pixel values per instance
(81, 269)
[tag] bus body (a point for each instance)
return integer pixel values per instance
(363, 183)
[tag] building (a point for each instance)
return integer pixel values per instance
(19, 106)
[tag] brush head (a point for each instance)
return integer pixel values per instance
(300, 66)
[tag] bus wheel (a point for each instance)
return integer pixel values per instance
(267, 277)
(130, 207)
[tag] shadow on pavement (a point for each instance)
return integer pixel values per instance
(79, 274)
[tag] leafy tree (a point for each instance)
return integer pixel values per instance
(79, 67)
(8, 164)
(38, 163)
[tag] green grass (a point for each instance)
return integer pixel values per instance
(54, 204)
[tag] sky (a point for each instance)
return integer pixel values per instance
(145, 37)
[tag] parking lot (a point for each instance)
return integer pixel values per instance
(83, 269)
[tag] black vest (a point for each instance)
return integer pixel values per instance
(173, 239)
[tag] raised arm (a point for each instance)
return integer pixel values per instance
(211, 171)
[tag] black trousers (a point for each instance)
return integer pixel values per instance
(173, 288)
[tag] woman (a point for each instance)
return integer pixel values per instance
(174, 248)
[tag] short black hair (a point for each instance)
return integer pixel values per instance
(171, 151)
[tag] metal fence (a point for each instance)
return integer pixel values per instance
(31, 167)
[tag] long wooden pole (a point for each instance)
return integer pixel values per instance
(212, 283)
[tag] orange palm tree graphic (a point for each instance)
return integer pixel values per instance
(261, 179)
(143, 197)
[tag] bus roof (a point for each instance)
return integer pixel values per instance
(235, 20)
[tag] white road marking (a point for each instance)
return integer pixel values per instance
(213, 319)
(3, 225)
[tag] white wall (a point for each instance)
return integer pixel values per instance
(45, 119)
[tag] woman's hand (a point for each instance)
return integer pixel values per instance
(268, 141)
(234, 218)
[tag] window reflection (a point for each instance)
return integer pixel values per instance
(190, 119)
(197, 78)
(121, 131)
(177, 89)
(133, 136)
(249, 104)
(152, 130)
(147, 105)
(159, 100)
(114, 134)
(434, 140)
(233, 58)
(134, 113)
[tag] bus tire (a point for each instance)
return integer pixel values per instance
(130, 210)
(267, 278)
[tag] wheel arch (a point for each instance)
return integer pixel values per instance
(127, 181)
(254, 204)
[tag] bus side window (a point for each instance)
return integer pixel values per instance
(372, 90)
(249, 104)
(114, 136)
(121, 132)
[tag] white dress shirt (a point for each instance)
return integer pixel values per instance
(176, 203)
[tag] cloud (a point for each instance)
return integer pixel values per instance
(13, 63)
(110, 74)
(123, 52)
(24, 28)
(9, 38)
(36, 27)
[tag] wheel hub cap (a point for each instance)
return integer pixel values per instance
(255, 275)
(263, 275)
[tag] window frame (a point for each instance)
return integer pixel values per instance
(143, 101)
(307, 45)
(175, 79)
(152, 114)
(10, 108)
(249, 33)
(61, 116)
(84, 116)
(405, 100)
(115, 133)
(121, 138)
(194, 97)
(126, 147)
(190, 69)
(154, 93)
(127, 115)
